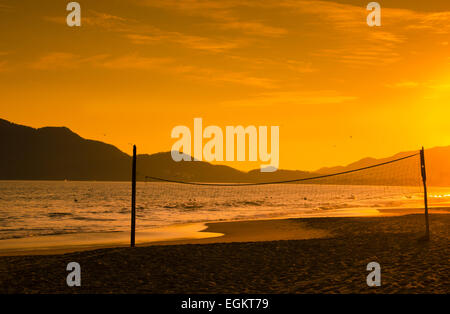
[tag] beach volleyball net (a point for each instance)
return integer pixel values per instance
(364, 188)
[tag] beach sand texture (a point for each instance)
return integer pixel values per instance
(333, 263)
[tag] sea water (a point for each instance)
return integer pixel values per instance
(39, 208)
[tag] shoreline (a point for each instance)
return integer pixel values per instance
(189, 233)
(333, 263)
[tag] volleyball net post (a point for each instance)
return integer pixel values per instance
(133, 199)
(425, 194)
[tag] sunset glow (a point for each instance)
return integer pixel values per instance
(338, 89)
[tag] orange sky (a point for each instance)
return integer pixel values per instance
(338, 89)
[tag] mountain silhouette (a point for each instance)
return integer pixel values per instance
(57, 153)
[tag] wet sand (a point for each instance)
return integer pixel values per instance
(313, 255)
(74, 242)
(191, 233)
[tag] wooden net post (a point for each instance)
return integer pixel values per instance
(425, 196)
(133, 199)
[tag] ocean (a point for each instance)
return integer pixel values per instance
(39, 208)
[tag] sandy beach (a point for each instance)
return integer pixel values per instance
(313, 255)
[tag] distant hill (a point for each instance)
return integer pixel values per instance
(57, 153)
